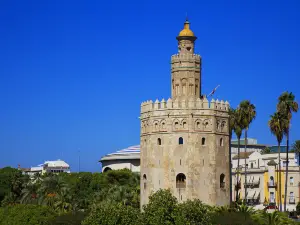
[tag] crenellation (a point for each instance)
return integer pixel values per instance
(178, 57)
(190, 103)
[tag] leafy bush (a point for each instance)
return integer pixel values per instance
(26, 215)
(69, 219)
(112, 214)
(193, 213)
(161, 208)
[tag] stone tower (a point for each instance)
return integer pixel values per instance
(185, 140)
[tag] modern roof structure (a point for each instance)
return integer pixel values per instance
(56, 163)
(132, 152)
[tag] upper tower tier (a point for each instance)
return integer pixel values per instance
(186, 66)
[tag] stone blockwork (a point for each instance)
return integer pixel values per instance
(185, 140)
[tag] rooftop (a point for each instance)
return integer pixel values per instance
(243, 155)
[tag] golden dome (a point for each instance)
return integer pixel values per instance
(186, 32)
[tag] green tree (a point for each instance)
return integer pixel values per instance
(112, 214)
(11, 181)
(276, 218)
(232, 121)
(161, 209)
(192, 213)
(278, 123)
(53, 190)
(266, 150)
(72, 218)
(30, 193)
(298, 208)
(26, 214)
(248, 114)
(287, 105)
(296, 149)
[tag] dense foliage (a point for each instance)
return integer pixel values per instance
(108, 199)
(26, 214)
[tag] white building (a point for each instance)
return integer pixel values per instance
(56, 166)
(126, 158)
(264, 177)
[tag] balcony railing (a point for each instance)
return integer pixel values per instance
(252, 183)
(272, 184)
(180, 184)
(272, 200)
(292, 200)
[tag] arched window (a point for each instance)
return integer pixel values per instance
(180, 141)
(222, 181)
(221, 142)
(203, 141)
(272, 180)
(158, 141)
(106, 169)
(291, 181)
(180, 180)
(145, 181)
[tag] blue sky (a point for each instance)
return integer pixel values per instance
(73, 74)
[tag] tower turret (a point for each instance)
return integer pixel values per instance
(186, 66)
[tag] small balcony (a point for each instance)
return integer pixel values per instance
(292, 200)
(252, 182)
(272, 201)
(272, 184)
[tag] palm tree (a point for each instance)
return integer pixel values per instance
(296, 149)
(278, 123)
(29, 193)
(238, 132)
(287, 105)
(50, 188)
(248, 114)
(232, 120)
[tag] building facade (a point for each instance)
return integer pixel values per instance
(265, 180)
(128, 158)
(184, 141)
(56, 166)
(262, 173)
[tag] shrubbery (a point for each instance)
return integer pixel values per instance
(110, 198)
(26, 215)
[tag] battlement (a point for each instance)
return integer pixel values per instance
(184, 104)
(178, 57)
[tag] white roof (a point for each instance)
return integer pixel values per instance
(132, 152)
(56, 163)
(36, 168)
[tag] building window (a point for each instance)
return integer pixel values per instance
(180, 181)
(203, 141)
(284, 163)
(180, 141)
(222, 181)
(180, 162)
(221, 142)
(291, 181)
(251, 165)
(272, 181)
(158, 141)
(106, 169)
(145, 181)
